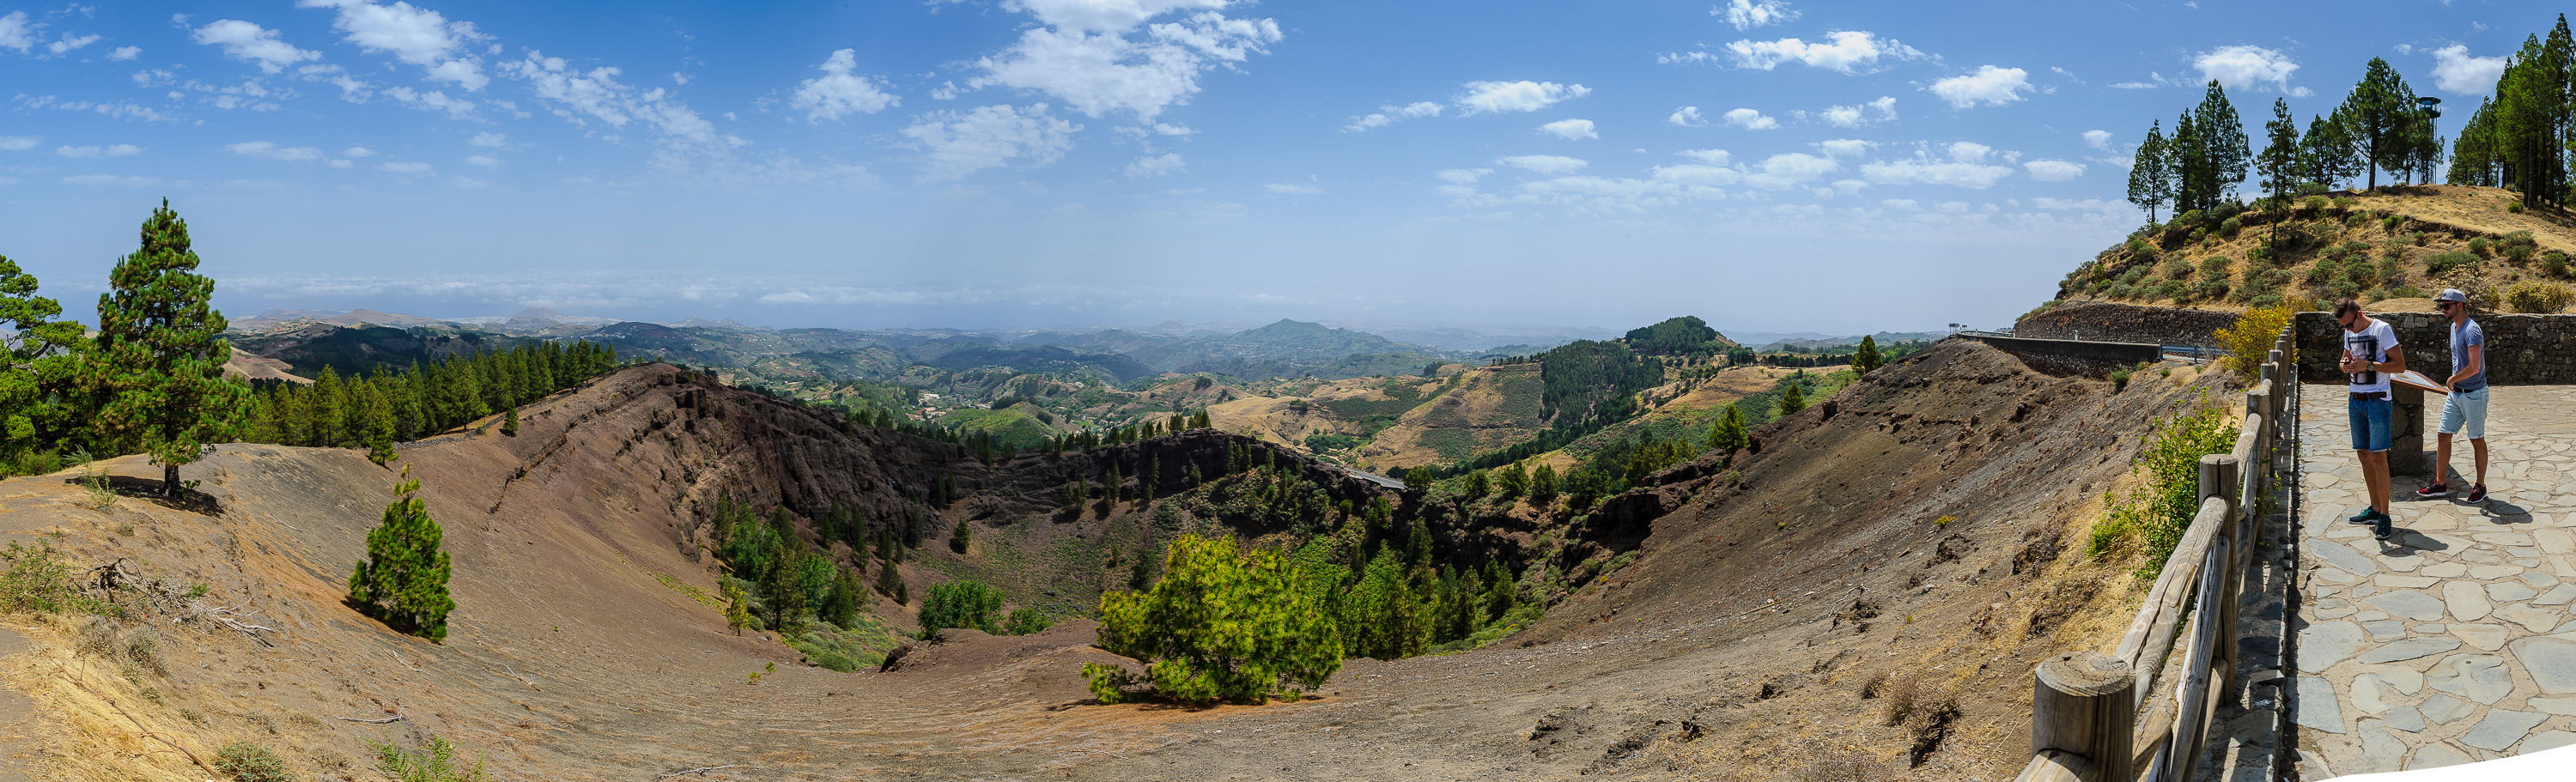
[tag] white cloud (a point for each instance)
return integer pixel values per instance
(2239, 67)
(1570, 129)
(123, 53)
(1844, 147)
(486, 161)
(69, 42)
(17, 143)
(270, 150)
(414, 35)
(1967, 164)
(2098, 139)
(1714, 157)
(16, 32)
(2053, 170)
(407, 168)
(1749, 14)
(1550, 165)
(1485, 97)
(2456, 72)
(1779, 172)
(1463, 176)
(1157, 165)
(840, 91)
(1279, 188)
(341, 164)
(112, 150)
(1989, 86)
(469, 183)
(596, 95)
(1092, 57)
(1750, 119)
(1388, 115)
(1862, 115)
(253, 44)
(357, 152)
(1844, 51)
(433, 100)
(1688, 117)
(1699, 175)
(958, 143)
(489, 139)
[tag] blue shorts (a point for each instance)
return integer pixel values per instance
(2370, 423)
(2469, 408)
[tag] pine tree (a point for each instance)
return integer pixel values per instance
(1728, 436)
(1866, 358)
(378, 414)
(510, 423)
(2211, 155)
(2279, 164)
(2326, 154)
(2151, 172)
(962, 538)
(1226, 622)
(159, 363)
(737, 608)
(39, 366)
(1793, 398)
(1543, 485)
(2533, 119)
(2474, 154)
(404, 580)
(2380, 114)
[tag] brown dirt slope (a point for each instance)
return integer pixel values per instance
(1484, 409)
(1740, 639)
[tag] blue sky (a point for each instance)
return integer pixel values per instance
(1767, 165)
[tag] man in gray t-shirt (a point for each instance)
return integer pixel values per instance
(2466, 405)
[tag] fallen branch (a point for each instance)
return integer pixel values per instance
(700, 771)
(138, 726)
(370, 722)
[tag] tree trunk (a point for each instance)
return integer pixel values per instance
(170, 481)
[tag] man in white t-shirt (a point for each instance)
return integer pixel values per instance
(2370, 353)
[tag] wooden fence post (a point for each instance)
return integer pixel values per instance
(2218, 478)
(2086, 703)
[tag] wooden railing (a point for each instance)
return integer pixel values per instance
(2101, 717)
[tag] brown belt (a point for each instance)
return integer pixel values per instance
(2371, 396)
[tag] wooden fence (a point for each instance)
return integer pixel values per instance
(2101, 717)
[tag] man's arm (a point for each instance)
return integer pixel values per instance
(2477, 363)
(2396, 361)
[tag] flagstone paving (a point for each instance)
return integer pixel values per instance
(2452, 642)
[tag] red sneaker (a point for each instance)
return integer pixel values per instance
(2434, 490)
(2478, 492)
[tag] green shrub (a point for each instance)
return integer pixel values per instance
(2160, 509)
(2230, 226)
(248, 762)
(2172, 289)
(2119, 380)
(434, 763)
(967, 604)
(2554, 263)
(2210, 290)
(2515, 207)
(2518, 246)
(2539, 297)
(2481, 246)
(1225, 623)
(403, 583)
(36, 580)
(2445, 263)
(2316, 203)
(2390, 222)
(1027, 621)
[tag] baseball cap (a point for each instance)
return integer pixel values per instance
(2451, 294)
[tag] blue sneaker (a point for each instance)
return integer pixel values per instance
(2363, 517)
(2382, 527)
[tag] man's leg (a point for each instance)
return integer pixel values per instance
(2374, 475)
(2479, 447)
(2442, 458)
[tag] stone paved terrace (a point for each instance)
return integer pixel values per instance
(2452, 642)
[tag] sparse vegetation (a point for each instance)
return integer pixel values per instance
(973, 605)
(2153, 516)
(435, 762)
(2539, 297)
(247, 762)
(2249, 342)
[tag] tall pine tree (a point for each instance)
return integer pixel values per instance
(2279, 164)
(2382, 118)
(2151, 172)
(39, 365)
(2326, 154)
(159, 366)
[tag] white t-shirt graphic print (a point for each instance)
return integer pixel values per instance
(2372, 342)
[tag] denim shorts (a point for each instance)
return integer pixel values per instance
(2370, 423)
(2469, 407)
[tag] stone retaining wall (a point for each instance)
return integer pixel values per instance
(2105, 321)
(2110, 355)
(2521, 349)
